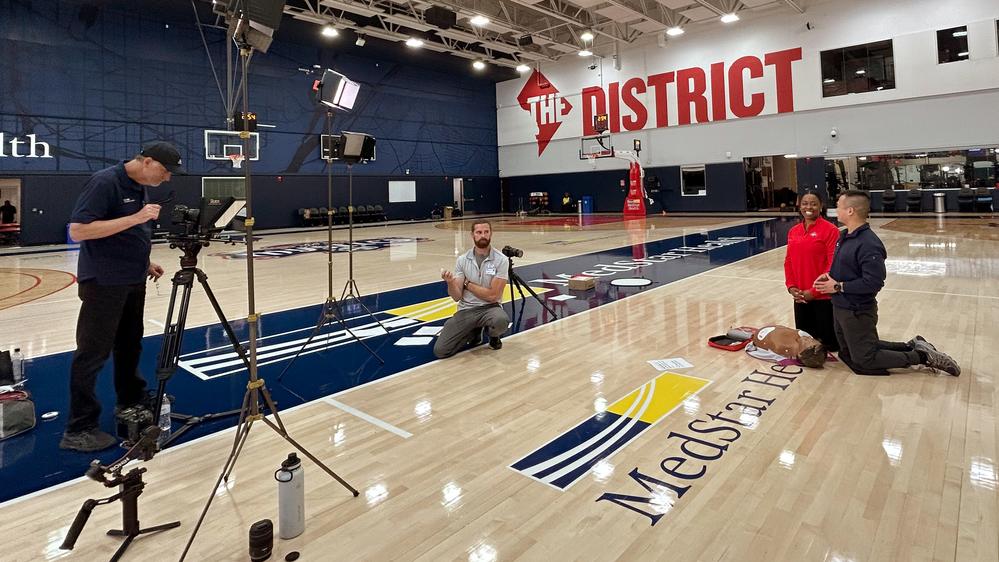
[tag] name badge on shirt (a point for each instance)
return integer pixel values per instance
(490, 271)
(128, 200)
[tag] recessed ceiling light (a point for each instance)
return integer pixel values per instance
(730, 18)
(330, 31)
(828, 81)
(674, 31)
(960, 33)
(479, 21)
(585, 53)
(586, 35)
(478, 65)
(523, 68)
(963, 54)
(790, 156)
(414, 42)
(860, 72)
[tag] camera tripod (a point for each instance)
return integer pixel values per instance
(331, 310)
(519, 284)
(130, 487)
(173, 334)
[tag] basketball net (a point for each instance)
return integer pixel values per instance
(237, 160)
(592, 159)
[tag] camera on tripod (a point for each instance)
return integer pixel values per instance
(511, 252)
(212, 217)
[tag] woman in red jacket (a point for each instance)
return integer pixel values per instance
(810, 247)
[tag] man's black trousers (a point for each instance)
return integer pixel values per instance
(860, 348)
(110, 322)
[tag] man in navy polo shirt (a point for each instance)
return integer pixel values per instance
(113, 222)
(854, 280)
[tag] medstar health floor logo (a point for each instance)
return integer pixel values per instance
(542, 100)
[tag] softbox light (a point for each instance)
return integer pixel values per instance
(336, 90)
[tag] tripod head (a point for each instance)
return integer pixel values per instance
(110, 475)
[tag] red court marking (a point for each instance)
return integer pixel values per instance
(21, 296)
(38, 281)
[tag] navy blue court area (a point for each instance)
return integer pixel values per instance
(211, 378)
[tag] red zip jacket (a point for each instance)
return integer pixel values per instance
(809, 254)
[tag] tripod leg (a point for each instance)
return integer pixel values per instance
(231, 463)
(121, 549)
(311, 457)
(535, 295)
(324, 317)
(353, 335)
(203, 279)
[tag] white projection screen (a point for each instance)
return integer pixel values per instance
(402, 191)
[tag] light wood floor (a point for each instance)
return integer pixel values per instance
(838, 467)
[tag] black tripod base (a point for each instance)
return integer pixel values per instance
(190, 421)
(130, 536)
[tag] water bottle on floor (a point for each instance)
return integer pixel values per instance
(17, 361)
(291, 497)
(165, 422)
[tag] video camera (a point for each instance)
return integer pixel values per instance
(213, 216)
(511, 252)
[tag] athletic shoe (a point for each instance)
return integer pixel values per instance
(495, 343)
(920, 344)
(87, 441)
(942, 362)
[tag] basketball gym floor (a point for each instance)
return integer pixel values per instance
(566, 444)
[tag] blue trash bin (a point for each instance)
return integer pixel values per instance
(587, 204)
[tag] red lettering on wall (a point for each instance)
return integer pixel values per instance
(615, 107)
(658, 84)
(718, 100)
(736, 91)
(781, 61)
(631, 87)
(690, 88)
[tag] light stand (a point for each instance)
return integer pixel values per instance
(350, 290)
(519, 284)
(255, 387)
(331, 308)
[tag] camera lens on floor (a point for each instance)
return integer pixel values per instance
(261, 540)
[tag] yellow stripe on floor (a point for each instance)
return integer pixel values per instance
(437, 309)
(671, 389)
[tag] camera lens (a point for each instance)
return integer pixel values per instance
(261, 540)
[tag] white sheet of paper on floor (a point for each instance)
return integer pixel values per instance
(672, 363)
(428, 331)
(560, 298)
(422, 340)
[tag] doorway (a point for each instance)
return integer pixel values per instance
(10, 211)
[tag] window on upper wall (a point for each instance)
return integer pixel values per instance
(692, 181)
(857, 69)
(952, 44)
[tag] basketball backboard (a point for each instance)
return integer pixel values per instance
(597, 146)
(219, 145)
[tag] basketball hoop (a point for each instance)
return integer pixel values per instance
(237, 160)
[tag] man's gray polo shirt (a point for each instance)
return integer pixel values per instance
(496, 265)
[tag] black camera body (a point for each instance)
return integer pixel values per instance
(187, 217)
(131, 422)
(511, 252)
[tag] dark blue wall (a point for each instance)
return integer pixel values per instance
(726, 189)
(95, 80)
(812, 176)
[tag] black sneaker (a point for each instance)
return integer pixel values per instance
(495, 343)
(475, 337)
(87, 441)
(942, 362)
(920, 344)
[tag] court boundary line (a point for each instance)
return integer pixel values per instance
(964, 295)
(367, 417)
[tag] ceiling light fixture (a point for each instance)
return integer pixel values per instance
(360, 41)
(585, 53)
(674, 31)
(960, 34)
(523, 68)
(860, 72)
(963, 54)
(730, 18)
(414, 42)
(828, 81)
(330, 31)
(479, 21)
(586, 35)
(478, 65)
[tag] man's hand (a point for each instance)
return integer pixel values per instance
(154, 272)
(825, 284)
(455, 284)
(149, 212)
(796, 293)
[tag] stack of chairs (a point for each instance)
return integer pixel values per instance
(983, 200)
(888, 200)
(966, 200)
(914, 200)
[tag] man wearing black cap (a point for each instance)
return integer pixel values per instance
(113, 222)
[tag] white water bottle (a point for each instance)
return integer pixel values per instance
(165, 422)
(17, 361)
(291, 497)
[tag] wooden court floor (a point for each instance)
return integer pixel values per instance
(826, 465)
